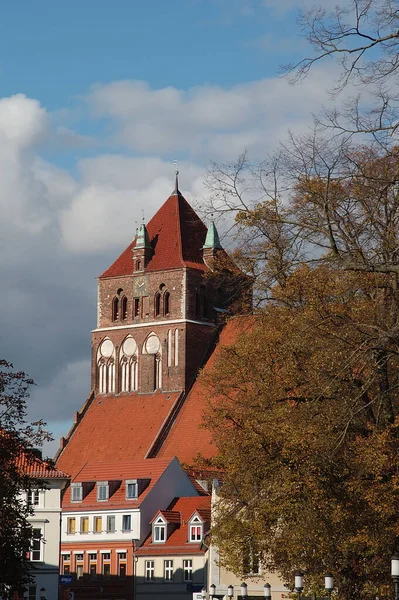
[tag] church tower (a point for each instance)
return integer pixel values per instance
(156, 317)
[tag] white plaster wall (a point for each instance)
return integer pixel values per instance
(172, 484)
(104, 536)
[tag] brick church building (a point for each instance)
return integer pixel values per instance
(158, 323)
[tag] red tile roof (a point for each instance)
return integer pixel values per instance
(116, 428)
(37, 468)
(149, 468)
(177, 542)
(177, 235)
(187, 439)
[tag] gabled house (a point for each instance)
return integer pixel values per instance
(107, 512)
(45, 500)
(173, 560)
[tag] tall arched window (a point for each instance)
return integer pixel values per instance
(169, 348)
(176, 347)
(106, 367)
(115, 309)
(157, 304)
(166, 303)
(158, 372)
(124, 308)
(129, 365)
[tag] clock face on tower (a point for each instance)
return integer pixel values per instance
(140, 286)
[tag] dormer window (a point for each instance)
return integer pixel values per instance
(102, 490)
(159, 531)
(195, 530)
(76, 492)
(131, 489)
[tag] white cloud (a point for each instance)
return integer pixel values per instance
(107, 208)
(23, 122)
(207, 121)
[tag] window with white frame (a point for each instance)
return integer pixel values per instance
(149, 570)
(159, 531)
(97, 524)
(126, 523)
(33, 497)
(71, 525)
(106, 564)
(188, 570)
(122, 565)
(65, 563)
(168, 570)
(92, 564)
(102, 490)
(250, 559)
(196, 526)
(76, 492)
(84, 524)
(79, 565)
(110, 523)
(36, 548)
(131, 489)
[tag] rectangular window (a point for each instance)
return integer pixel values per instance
(33, 498)
(250, 560)
(92, 565)
(79, 571)
(84, 524)
(98, 524)
(36, 546)
(126, 523)
(76, 492)
(102, 490)
(149, 570)
(168, 570)
(65, 564)
(32, 592)
(71, 525)
(106, 564)
(79, 557)
(131, 489)
(136, 307)
(110, 523)
(159, 533)
(122, 564)
(195, 533)
(188, 570)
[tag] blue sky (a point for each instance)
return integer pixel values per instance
(97, 99)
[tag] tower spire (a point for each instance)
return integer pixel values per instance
(176, 190)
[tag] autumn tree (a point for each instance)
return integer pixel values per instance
(306, 415)
(17, 438)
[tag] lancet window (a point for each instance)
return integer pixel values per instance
(106, 367)
(129, 365)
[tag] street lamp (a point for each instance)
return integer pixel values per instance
(244, 590)
(329, 585)
(395, 573)
(299, 583)
(212, 590)
(267, 591)
(230, 591)
(43, 593)
(203, 593)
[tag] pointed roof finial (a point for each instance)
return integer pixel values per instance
(212, 238)
(176, 190)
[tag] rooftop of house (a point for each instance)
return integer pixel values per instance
(187, 439)
(130, 425)
(37, 468)
(117, 427)
(178, 515)
(146, 472)
(176, 234)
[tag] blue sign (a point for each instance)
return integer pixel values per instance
(65, 579)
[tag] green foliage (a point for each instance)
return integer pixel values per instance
(17, 437)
